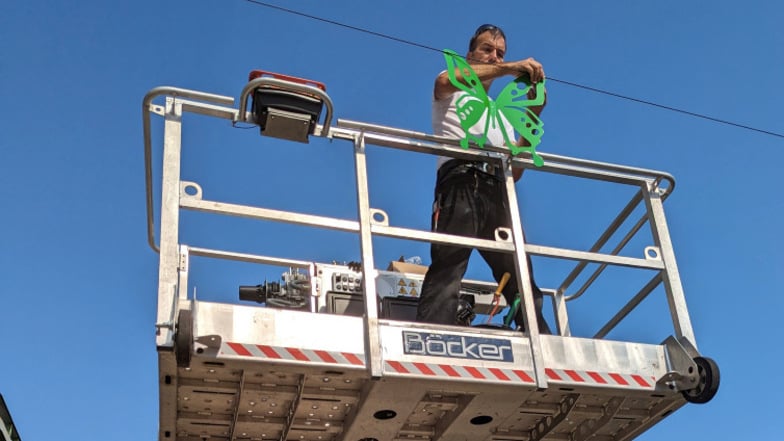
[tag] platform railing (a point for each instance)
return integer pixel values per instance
(654, 186)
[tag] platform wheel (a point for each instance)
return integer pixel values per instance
(707, 381)
(183, 338)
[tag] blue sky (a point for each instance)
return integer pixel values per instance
(78, 292)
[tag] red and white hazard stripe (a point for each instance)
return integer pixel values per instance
(435, 370)
(292, 354)
(458, 371)
(600, 378)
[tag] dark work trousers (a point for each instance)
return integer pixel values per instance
(468, 202)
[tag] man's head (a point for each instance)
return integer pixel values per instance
(488, 45)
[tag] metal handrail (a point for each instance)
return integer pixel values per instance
(562, 163)
(559, 160)
(146, 102)
(436, 145)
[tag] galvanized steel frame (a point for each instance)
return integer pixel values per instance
(652, 193)
(654, 187)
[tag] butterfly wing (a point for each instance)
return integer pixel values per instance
(470, 110)
(513, 103)
(515, 94)
(470, 80)
(475, 103)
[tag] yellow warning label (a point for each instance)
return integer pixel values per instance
(402, 290)
(401, 282)
(414, 292)
(412, 284)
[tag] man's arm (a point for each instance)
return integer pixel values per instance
(487, 72)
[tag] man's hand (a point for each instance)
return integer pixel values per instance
(487, 72)
(530, 67)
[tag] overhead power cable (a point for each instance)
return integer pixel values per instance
(549, 78)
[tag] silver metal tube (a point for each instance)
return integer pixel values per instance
(606, 166)
(644, 173)
(222, 112)
(169, 266)
(539, 250)
(250, 258)
(146, 102)
(482, 155)
(450, 149)
(269, 214)
(446, 239)
(524, 284)
(672, 278)
(619, 219)
(641, 295)
(369, 127)
(615, 251)
(206, 206)
(370, 319)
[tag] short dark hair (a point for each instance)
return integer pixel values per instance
(493, 29)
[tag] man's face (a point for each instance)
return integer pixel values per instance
(489, 49)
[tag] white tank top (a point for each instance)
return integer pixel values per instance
(446, 123)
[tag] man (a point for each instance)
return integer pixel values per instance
(470, 199)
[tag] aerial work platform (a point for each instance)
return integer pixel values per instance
(332, 352)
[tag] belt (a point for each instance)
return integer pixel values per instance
(455, 165)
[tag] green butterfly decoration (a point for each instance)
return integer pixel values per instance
(512, 103)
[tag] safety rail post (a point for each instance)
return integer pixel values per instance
(523, 275)
(147, 107)
(652, 194)
(561, 314)
(182, 272)
(372, 337)
(169, 248)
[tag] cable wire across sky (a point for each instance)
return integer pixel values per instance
(549, 78)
